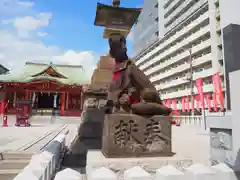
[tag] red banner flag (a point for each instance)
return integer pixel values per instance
(164, 102)
(192, 101)
(168, 103)
(218, 89)
(215, 102)
(187, 104)
(174, 101)
(198, 104)
(183, 104)
(209, 103)
(199, 85)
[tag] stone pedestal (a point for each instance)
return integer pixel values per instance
(90, 129)
(129, 135)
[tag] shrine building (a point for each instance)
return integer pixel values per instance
(48, 86)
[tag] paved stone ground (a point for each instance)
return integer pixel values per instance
(17, 144)
(189, 143)
(192, 142)
(34, 138)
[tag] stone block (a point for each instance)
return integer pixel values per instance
(101, 76)
(26, 175)
(224, 172)
(92, 123)
(90, 130)
(68, 174)
(221, 138)
(221, 144)
(94, 103)
(106, 62)
(42, 163)
(38, 169)
(136, 173)
(93, 115)
(169, 173)
(76, 154)
(92, 143)
(199, 171)
(129, 135)
(102, 173)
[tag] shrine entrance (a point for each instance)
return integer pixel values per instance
(52, 89)
(47, 100)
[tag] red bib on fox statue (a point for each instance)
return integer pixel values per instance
(126, 76)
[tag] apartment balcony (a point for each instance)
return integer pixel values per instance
(173, 83)
(183, 67)
(178, 46)
(172, 5)
(167, 2)
(218, 13)
(178, 17)
(183, 80)
(218, 26)
(186, 92)
(179, 8)
(185, 54)
(174, 37)
(179, 105)
(219, 41)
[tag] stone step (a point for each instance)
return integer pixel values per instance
(9, 174)
(13, 164)
(15, 155)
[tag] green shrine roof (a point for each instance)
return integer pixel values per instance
(65, 74)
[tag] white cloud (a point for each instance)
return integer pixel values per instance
(1, 56)
(16, 50)
(13, 7)
(25, 3)
(7, 21)
(42, 34)
(86, 58)
(24, 25)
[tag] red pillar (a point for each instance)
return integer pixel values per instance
(3, 102)
(27, 97)
(81, 100)
(62, 103)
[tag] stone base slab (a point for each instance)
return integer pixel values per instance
(96, 160)
(129, 135)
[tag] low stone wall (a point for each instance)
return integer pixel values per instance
(196, 171)
(44, 165)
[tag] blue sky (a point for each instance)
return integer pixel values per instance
(58, 31)
(75, 18)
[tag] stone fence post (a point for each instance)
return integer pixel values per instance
(43, 166)
(169, 172)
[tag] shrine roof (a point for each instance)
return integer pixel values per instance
(65, 74)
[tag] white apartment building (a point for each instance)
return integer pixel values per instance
(187, 28)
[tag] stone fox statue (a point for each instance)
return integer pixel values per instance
(128, 78)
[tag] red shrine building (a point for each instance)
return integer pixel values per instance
(48, 87)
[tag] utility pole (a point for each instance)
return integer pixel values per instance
(191, 79)
(192, 89)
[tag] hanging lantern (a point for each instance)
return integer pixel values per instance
(115, 19)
